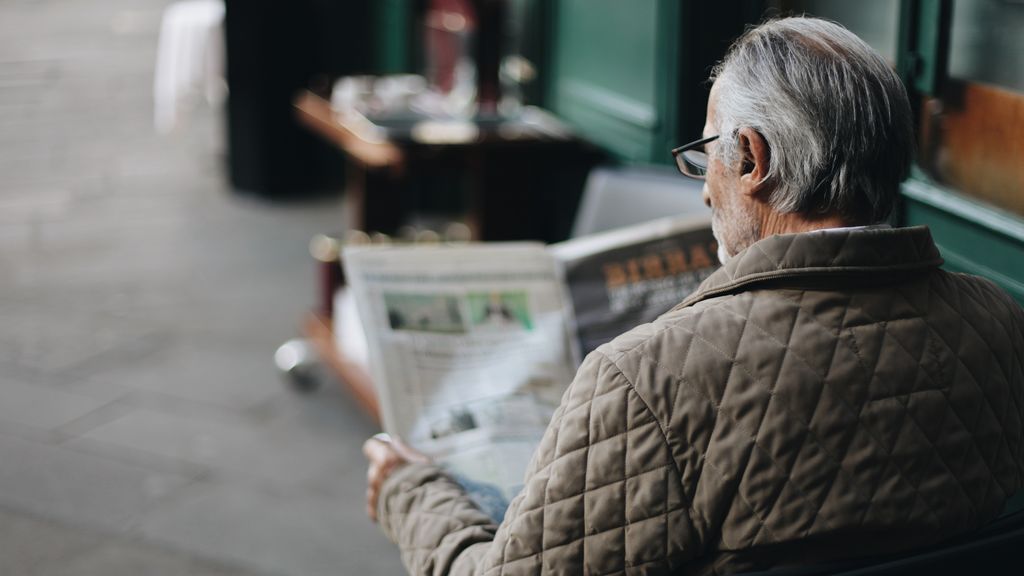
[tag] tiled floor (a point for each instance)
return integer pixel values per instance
(143, 429)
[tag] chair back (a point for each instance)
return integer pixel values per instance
(614, 197)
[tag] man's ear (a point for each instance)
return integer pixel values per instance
(756, 159)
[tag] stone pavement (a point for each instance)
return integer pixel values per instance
(143, 429)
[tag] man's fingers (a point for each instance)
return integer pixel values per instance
(372, 494)
(375, 450)
(384, 454)
(371, 504)
(383, 448)
(408, 453)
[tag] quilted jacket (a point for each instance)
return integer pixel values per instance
(823, 395)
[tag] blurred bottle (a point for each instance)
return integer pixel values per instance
(326, 250)
(449, 28)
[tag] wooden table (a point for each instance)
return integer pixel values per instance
(522, 175)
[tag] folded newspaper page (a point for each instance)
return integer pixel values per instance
(629, 276)
(469, 348)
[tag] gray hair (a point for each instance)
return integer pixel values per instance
(834, 114)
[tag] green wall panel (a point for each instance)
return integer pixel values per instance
(613, 73)
(394, 33)
(972, 237)
(608, 53)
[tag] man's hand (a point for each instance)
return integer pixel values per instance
(385, 455)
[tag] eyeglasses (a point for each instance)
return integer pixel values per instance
(691, 159)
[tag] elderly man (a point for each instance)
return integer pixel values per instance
(829, 393)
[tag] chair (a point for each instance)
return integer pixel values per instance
(614, 197)
(994, 549)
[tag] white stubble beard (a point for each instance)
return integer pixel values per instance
(734, 232)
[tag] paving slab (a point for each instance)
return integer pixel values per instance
(215, 372)
(41, 407)
(57, 482)
(30, 545)
(33, 546)
(120, 558)
(281, 532)
(279, 457)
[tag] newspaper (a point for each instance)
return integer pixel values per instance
(471, 347)
(626, 277)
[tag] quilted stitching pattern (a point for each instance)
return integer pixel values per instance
(729, 431)
(603, 493)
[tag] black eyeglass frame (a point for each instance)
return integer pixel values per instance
(687, 155)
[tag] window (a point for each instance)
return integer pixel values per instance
(972, 128)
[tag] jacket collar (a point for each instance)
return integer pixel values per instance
(827, 256)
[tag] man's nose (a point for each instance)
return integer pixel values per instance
(705, 195)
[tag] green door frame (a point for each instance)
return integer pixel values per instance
(973, 237)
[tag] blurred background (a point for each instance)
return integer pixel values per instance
(176, 178)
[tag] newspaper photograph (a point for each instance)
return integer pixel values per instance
(469, 350)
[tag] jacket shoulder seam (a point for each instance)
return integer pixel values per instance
(647, 407)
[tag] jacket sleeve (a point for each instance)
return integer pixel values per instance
(602, 495)
(437, 527)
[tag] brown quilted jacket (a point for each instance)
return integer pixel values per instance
(822, 396)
